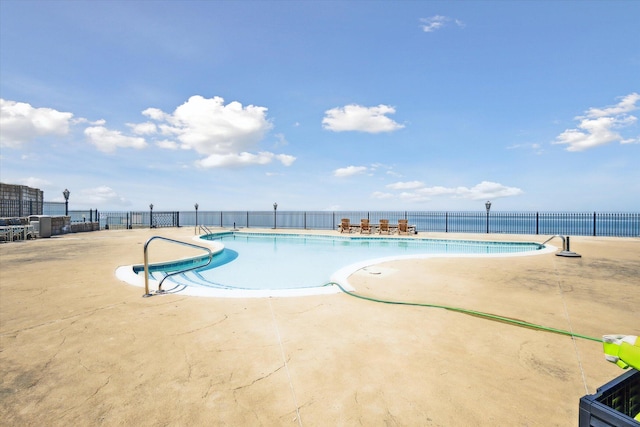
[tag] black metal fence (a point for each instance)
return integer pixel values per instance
(60, 209)
(544, 223)
(135, 219)
(20, 208)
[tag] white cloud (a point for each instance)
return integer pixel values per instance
(210, 127)
(413, 197)
(534, 146)
(358, 118)
(599, 126)
(349, 171)
(243, 159)
(439, 191)
(280, 140)
(386, 169)
(487, 190)
(101, 196)
(21, 123)
(167, 144)
(227, 135)
(406, 185)
(433, 23)
(381, 195)
(108, 141)
(436, 22)
(285, 159)
(155, 114)
(146, 128)
(626, 105)
(484, 190)
(34, 182)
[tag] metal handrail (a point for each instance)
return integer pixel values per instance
(564, 242)
(146, 263)
(566, 247)
(205, 228)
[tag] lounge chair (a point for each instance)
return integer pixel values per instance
(403, 226)
(345, 225)
(384, 226)
(364, 226)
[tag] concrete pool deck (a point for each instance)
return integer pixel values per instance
(80, 347)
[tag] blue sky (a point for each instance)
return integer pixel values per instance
(323, 105)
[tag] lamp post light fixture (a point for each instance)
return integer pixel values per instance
(66, 194)
(151, 215)
(275, 213)
(196, 206)
(488, 206)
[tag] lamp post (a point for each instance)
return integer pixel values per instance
(275, 213)
(66, 194)
(196, 206)
(488, 206)
(151, 215)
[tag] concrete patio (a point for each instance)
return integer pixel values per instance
(80, 347)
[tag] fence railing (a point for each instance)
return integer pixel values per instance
(545, 223)
(20, 208)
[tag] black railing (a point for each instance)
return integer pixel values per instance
(84, 216)
(20, 208)
(543, 223)
(165, 219)
(110, 220)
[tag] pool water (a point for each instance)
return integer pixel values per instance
(256, 261)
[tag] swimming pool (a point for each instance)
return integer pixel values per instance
(276, 264)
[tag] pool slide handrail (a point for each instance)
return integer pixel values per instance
(146, 263)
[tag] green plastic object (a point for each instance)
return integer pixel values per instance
(623, 350)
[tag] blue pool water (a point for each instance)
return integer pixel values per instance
(256, 261)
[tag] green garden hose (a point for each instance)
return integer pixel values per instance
(472, 313)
